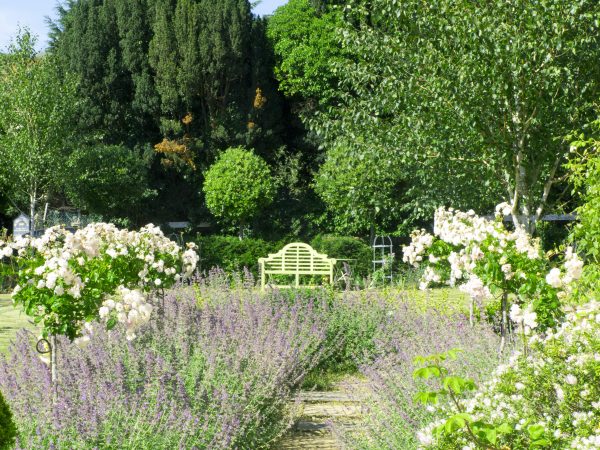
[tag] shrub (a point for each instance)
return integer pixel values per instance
(547, 397)
(483, 258)
(237, 186)
(107, 179)
(217, 377)
(351, 322)
(65, 280)
(8, 430)
(345, 247)
(232, 254)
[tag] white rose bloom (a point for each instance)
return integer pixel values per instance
(104, 312)
(130, 335)
(515, 313)
(51, 280)
(109, 303)
(529, 318)
(133, 316)
(553, 278)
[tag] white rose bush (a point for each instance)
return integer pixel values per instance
(546, 398)
(68, 281)
(483, 259)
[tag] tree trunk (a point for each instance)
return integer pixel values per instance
(32, 205)
(504, 325)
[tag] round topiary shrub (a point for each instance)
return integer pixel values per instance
(237, 186)
(8, 431)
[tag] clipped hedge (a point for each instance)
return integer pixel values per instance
(232, 254)
(8, 431)
(357, 251)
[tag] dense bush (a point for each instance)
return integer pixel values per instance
(8, 430)
(237, 186)
(545, 397)
(215, 377)
(359, 254)
(232, 254)
(391, 414)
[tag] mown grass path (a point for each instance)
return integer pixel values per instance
(11, 320)
(311, 431)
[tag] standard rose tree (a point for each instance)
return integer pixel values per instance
(483, 258)
(66, 281)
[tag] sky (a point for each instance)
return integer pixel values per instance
(32, 13)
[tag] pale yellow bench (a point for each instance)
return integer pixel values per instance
(295, 259)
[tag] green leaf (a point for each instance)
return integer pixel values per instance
(536, 431)
(541, 443)
(504, 428)
(456, 422)
(111, 323)
(458, 384)
(427, 398)
(427, 372)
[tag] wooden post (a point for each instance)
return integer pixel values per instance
(54, 368)
(504, 326)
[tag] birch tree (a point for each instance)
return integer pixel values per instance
(475, 96)
(35, 124)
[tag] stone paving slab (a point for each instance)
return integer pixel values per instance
(311, 430)
(318, 396)
(331, 411)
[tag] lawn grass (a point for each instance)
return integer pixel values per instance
(446, 300)
(11, 320)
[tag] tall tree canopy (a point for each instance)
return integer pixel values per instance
(306, 46)
(36, 132)
(474, 97)
(188, 78)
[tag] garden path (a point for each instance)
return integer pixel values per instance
(311, 431)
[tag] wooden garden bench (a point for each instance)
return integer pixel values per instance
(295, 259)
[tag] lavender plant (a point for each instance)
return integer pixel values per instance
(217, 376)
(391, 415)
(351, 320)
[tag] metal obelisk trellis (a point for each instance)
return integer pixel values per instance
(383, 251)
